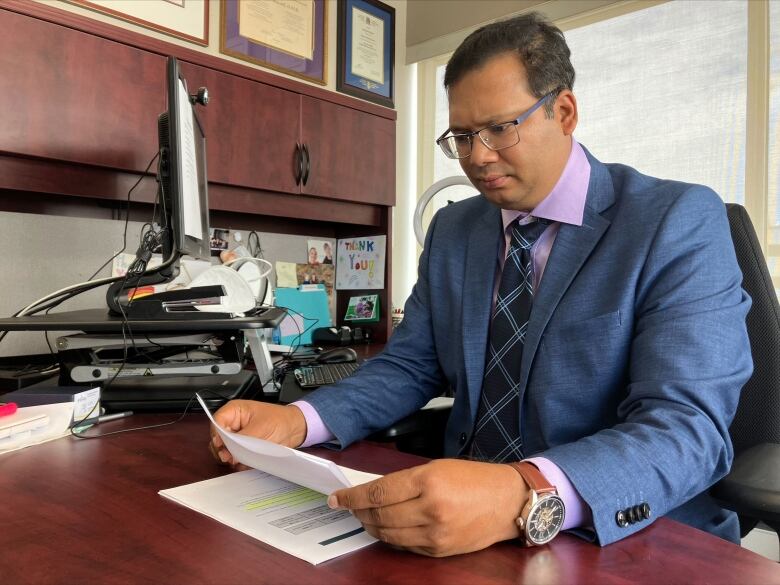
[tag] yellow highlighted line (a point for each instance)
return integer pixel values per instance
(293, 498)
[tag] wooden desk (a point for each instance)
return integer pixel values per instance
(88, 511)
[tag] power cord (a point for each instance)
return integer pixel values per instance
(253, 244)
(289, 360)
(57, 297)
(81, 434)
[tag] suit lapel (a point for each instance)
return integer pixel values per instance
(573, 245)
(480, 269)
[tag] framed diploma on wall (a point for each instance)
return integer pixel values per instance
(184, 19)
(366, 50)
(289, 36)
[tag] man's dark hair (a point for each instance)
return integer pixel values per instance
(537, 42)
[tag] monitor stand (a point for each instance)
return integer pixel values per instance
(256, 329)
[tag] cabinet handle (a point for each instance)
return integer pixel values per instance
(308, 163)
(298, 164)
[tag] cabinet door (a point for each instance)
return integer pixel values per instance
(351, 153)
(251, 130)
(75, 97)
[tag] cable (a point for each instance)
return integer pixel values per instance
(263, 275)
(73, 290)
(253, 243)
(35, 369)
(81, 435)
(76, 289)
(289, 359)
(260, 261)
(127, 216)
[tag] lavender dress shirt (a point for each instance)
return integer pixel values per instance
(564, 204)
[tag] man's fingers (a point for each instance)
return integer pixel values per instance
(414, 538)
(388, 490)
(404, 515)
(213, 450)
(216, 440)
(221, 454)
(229, 416)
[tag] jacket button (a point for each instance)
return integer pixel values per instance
(634, 514)
(645, 508)
(621, 519)
(462, 438)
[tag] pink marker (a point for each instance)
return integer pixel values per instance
(6, 409)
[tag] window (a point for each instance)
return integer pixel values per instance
(773, 186)
(442, 166)
(669, 90)
(672, 104)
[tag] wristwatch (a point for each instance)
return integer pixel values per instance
(542, 515)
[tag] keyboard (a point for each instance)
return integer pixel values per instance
(323, 374)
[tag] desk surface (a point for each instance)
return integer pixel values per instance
(88, 511)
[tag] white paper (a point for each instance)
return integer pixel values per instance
(86, 404)
(289, 517)
(297, 467)
(59, 415)
(188, 163)
(282, 501)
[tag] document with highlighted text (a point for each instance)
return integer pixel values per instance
(282, 501)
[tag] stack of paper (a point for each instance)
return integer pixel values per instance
(32, 425)
(282, 501)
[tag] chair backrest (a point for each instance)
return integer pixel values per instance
(758, 414)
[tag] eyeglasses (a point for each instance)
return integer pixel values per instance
(495, 137)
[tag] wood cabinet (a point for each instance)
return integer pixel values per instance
(70, 96)
(299, 144)
(251, 130)
(79, 101)
(350, 155)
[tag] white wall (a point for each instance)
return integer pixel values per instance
(44, 253)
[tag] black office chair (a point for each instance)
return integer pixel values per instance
(752, 488)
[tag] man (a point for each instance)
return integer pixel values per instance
(616, 389)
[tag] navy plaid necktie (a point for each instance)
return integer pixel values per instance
(497, 430)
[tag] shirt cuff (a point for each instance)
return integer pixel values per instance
(578, 513)
(316, 431)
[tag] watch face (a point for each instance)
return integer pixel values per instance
(545, 520)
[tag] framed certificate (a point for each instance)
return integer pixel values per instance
(288, 36)
(184, 19)
(366, 50)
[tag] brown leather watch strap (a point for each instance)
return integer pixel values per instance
(532, 476)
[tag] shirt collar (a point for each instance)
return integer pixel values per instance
(566, 201)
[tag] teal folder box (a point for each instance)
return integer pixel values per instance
(308, 310)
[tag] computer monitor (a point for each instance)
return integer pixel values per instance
(183, 189)
(183, 178)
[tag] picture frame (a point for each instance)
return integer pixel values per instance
(183, 19)
(363, 309)
(366, 50)
(284, 37)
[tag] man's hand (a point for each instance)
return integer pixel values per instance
(443, 508)
(284, 425)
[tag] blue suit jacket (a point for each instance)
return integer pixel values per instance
(635, 354)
